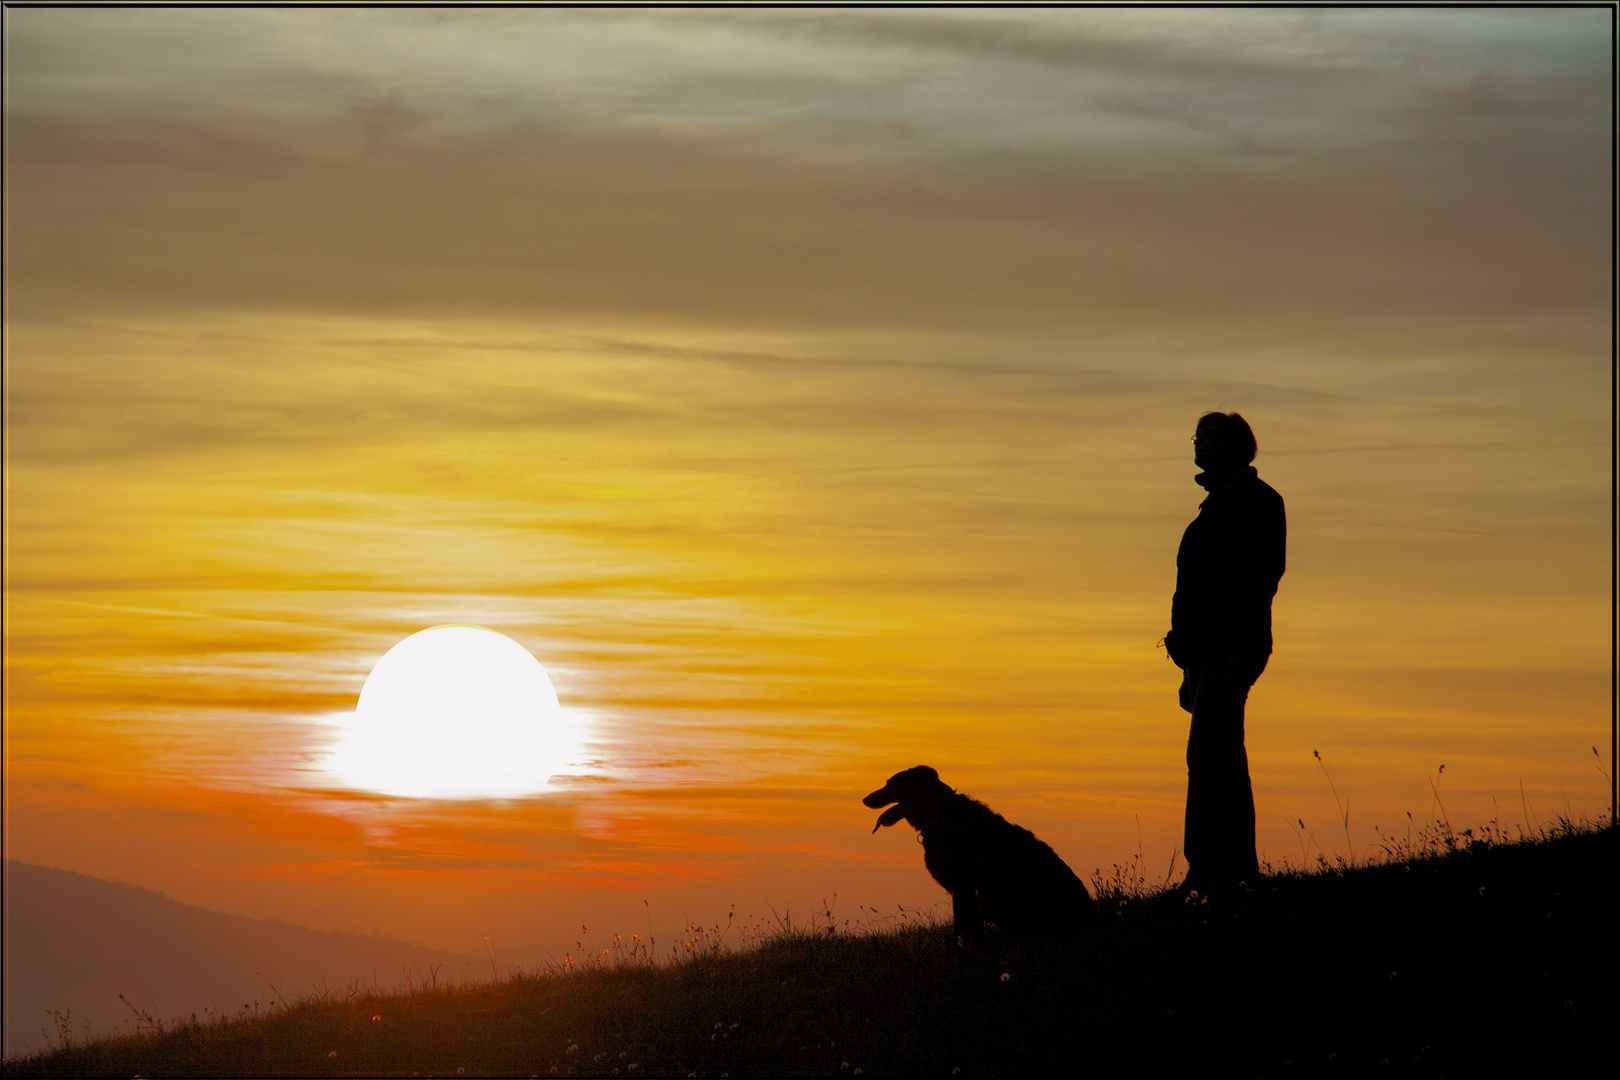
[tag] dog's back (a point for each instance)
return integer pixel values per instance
(1032, 888)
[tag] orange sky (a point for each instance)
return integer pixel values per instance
(810, 393)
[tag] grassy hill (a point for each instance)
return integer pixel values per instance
(1472, 957)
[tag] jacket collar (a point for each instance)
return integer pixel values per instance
(1212, 484)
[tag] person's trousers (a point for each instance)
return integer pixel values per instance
(1219, 839)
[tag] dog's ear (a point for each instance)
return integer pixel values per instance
(890, 816)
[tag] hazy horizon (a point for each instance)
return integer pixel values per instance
(76, 944)
(810, 392)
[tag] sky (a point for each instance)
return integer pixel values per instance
(810, 393)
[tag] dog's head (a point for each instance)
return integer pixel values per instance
(912, 790)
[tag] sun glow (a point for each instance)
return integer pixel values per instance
(455, 712)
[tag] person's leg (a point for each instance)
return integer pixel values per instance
(1196, 838)
(1219, 839)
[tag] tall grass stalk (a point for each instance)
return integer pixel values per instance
(1608, 778)
(1524, 801)
(1434, 787)
(1344, 805)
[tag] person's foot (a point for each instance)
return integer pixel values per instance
(1205, 884)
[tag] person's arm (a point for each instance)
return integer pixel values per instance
(1177, 641)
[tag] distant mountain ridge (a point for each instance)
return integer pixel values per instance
(77, 942)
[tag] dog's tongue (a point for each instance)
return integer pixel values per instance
(889, 817)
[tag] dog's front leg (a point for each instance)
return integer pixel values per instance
(967, 917)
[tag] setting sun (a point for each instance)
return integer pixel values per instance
(454, 712)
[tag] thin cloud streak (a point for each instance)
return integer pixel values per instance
(676, 215)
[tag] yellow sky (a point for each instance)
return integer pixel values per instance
(810, 393)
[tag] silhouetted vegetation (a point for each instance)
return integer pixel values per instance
(1456, 954)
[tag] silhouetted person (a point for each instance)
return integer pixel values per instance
(1227, 570)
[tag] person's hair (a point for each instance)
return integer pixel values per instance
(1232, 432)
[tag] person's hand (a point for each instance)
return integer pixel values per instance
(1172, 645)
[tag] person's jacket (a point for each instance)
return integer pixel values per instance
(1231, 558)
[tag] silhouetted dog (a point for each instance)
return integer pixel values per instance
(995, 871)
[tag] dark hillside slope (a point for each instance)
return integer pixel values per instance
(1496, 960)
(77, 942)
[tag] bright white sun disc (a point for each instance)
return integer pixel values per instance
(454, 712)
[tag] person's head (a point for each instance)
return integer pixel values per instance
(1222, 442)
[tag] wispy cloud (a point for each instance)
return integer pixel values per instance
(568, 200)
